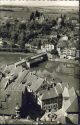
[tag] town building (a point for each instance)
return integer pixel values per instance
(31, 48)
(68, 53)
(70, 103)
(16, 93)
(52, 99)
(55, 117)
(24, 92)
(36, 85)
(47, 47)
(77, 54)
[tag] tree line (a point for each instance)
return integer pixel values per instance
(17, 33)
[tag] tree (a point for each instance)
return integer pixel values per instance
(32, 16)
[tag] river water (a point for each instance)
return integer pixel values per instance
(9, 58)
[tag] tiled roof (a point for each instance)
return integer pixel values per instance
(17, 85)
(71, 104)
(52, 93)
(31, 78)
(74, 101)
(37, 84)
(74, 106)
(60, 116)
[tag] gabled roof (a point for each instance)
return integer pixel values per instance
(71, 104)
(17, 85)
(73, 107)
(74, 101)
(31, 78)
(53, 92)
(61, 114)
(8, 68)
(48, 94)
(72, 94)
(37, 84)
(73, 118)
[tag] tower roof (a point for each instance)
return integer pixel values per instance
(65, 93)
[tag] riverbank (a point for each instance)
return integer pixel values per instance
(10, 49)
(15, 53)
(10, 57)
